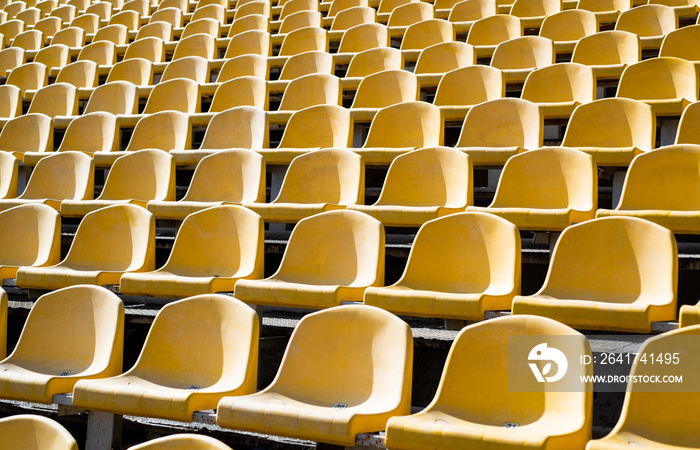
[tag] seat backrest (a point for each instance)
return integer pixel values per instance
(161, 30)
(612, 259)
(193, 68)
(32, 236)
(115, 33)
(311, 90)
(241, 91)
(253, 42)
(364, 37)
(408, 124)
(375, 60)
(341, 5)
(179, 94)
(563, 82)
(29, 16)
(525, 52)
(206, 26)
(238, 127)
(485, 83)
(141, 175)
(648, 20)
(605, 5)
(64, 12)
(292, 6)
(55, 55)
(81, 74)
(683, 43)
(660, 78)
(11, 57)
(130, 19)
(137, 71)
(426, 33)
(236, 176)
(304, 40)
(90, 23)
(149, 48)
(535, 8)
(71, 37)
(387, 6)
(504, 122)
(410, 13)
(49, 26)
(67, 175)
(171, 15)
(321, 126)
(569, 25)
(143, 7)
(32, 432)
(607, 48)
(182, 5)
(102, 9)
(472, 10)
(300, 19)
(114, 97)
(10, 101)
(386, 88)
(182, 442)
(244, 66)
(166, 130)
(202, 45)
(354, 16)
(11, 29)
(29, 76)
(27, 133)
(444, 57)
(216, 12)
(91, 132)
(307, 63)
(256, 7)
(249, 23)
(334, 176)
(9, 168)
(688, 129)
(494, 29)
(29, 40)
(101, 52)
(58, 99)
(612, 122)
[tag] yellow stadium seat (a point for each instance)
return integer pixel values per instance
(102, 52)
(315, 271)
(58, 99)
(485, 83)
(71, 37)
(46, 6)
(688, 125)
(650, 22)
(193, 68)
(171, 15)
(182, 5)
(136, 71)
(474, 399)
(47, 361)
(179, 95)
(11, 29)
(27, 133)
(49, 26)
(311, 90)
(546, 189)
(444, 57)
(464, 13)
(29, 76)
(334, 407)
(81, 74)
(651, 189)
(565, 28)
(485, 34)
(102, 9)
(426, 33)
(307, 63)
(683, 43)
(53, 56)
(386, 88)
(292, 6)
(130, 19)
(143, 7)
(387, 6)
(656, 416)
(29, 16)
(32, 432)
(300, 19)
(304, 40)
(667, 84)
(149, 48)
(255, 7)
(248, 23)
(204, 26)
(64, 12)
(161, 30)
(558, 89)
(225, 177)
(460, 278)
(32, 237)
(67, 175)
(202, 45)
(244, 66)
(338, 6)
(116, 34)
(422, 185)
(613, 273)
(10, 101)
(606, 11)
(406, 15)
(253, 42)
(216, 12)
(498, 129)
(364, 37)
(354, 16)
(90, 23)
(241, 91)
(689, 315)
(114, 97)
(29, 40)
(182, 442)
(318, 181)
(213, 249)
(608, 52)
(612, 130)
(135, 178)
(373, 61)
(9, 167)
(518, 57)
(10, 58)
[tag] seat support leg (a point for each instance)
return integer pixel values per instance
(103, 430)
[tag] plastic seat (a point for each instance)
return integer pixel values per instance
(149, 48)
(223, 177)
(249, 23)
(161, 30)
(304, 40)
(518, 57)
(422, 185)
(485, 34)
(341, 403)
(351, 17)
(426, 33)
(244, 66)
(683, 43)
(651, 189)
(254, 42)
(464, 13)
(29, 76)
(565, 28)
(10, 58)
(90, 23)
(307, 63)
(485, 84)
(11, 29)
(32, 432)
(612, 130)
(316, 271)
(143, 7)
(241, 91)
(444, 57)
(175, 95)
(546, 189)
(533, 12)
(46, 6)
(406, 15)
(182, 442)
(558, 89)
(102, 52)
(49, 26)
(202, 45)
(632, 283)
(385, 89)
(32, 237)
(498, 129)
(64, 12)
(400, 128)
(182, 5)
(29, 16)
(300, 19)
(57, 177)
(71, 37)
(53, 56)
(687, 127)
(373, 61)
(130, 19)
(171, 15)
(14, 8)
(9, 167)
(81, 74)
(606, 11)
(364, 37)
(338, 6)
(202, 26)
(667, 84)
(29, 40)
(10, 102)
(293, 6)
(102, 9)
(318, 181)
(311, 90)
(462, 277)
(650, 22)
(387, 6)
(193, 68)
(114, 97)
(474, 399)
(58, 99)
(70, 334)
(255, 7)
(116, 34)
(135, 178)
(216, 12)
(27, 133)
(136, 71)
(608, 52)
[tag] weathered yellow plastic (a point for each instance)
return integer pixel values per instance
(307, 63)
(689, 315)
(498, 129)
(137, 71)
(426, 33)
(613, 273)
(115, 97)
(666, 83)
(71, 37)
(253, 42)
(140, 6)
(331, 257)
(132, 21)
(89, 133)
(202, 45)
(487, 33)
(485, 83)
(318, 181)
(135, 178)
(292, 6)
(213, 249)
(688, 132)
(300, 19)
(81, 74)
(364, 357)
(364, 37)
(211, 27)
(171, 15)
(464, 12)
(27, 133)
(410, 13)
(462, 278)
(216, 12)
(247, 23)
(244, 66)
(422, 185)
(57, 177)
(254, 7)
(658, 420)
(102, 9)
(116, 33)
(373, 61)
(29, 16)
(29, 76)
(608, 52)
(606, 11)
(52, 56)
(650, 22)
(90, 23)
(149, 48)
(354, 16)
(11, 58)
(445, 57)
(32, 432)
(519, 56)
(29, 40)
(473, 400)
(109, 242)
(400, 128)
(10, 101)
(102, 52)
(338, 6)
(311, 90)
(32, 238)
(651, 189)
(11, 28)
(46, 362)
(182, 442)
(175, 95)
(565, 28)
(386, 88)
(49, 26)
(304, 40)
(612, 130)
(533, 12)
(9, 168)
(57, 99)
(65, 12)
(183, 366)
(683, 43)
(193, 68)
(546, 189)
(558, 89)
